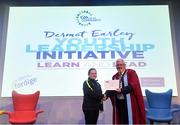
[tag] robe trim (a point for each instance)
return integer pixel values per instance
(128, 100)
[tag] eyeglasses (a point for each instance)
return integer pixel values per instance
(120, 64)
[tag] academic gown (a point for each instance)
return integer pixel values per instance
(135, 102)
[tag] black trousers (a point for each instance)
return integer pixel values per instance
(91, 116)
(121, 106)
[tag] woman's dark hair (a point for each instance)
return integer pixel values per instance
(90, 70)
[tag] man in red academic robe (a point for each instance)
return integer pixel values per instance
(127, 100)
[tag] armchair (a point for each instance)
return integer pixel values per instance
(159, 107)
(24, 108)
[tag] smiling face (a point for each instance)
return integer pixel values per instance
(120, 65)
(92, 74)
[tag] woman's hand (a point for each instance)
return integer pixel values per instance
(105, 97)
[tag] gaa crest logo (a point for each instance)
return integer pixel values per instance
(85, 18)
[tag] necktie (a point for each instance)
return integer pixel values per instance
(120, 81)
(120, 96)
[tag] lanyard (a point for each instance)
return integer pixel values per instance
(89, 85)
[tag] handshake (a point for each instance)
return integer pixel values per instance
(105, 97)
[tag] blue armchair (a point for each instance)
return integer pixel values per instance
(159, 107)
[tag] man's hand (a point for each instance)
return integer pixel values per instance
(118, 90)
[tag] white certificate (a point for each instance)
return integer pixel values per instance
(111, 84)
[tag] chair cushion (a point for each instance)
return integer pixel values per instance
(159, 115)
(23, 117)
